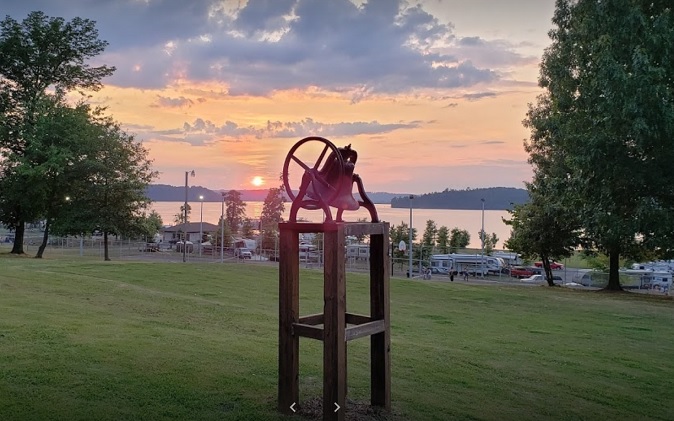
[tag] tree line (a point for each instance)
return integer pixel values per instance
(63, 161)
(499, 198)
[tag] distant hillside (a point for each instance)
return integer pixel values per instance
(496, 198)
(166, 193)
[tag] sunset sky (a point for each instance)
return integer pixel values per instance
(431, 94)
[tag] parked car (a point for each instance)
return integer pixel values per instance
(521, 272)
(553, 265)
(151, 247)
(243, 253)
(541, 278)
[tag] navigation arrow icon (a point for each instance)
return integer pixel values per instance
(292, 407)
(337, 407)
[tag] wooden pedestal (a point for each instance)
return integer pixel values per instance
(334, 326)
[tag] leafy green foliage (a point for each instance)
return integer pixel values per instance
(458, 239)
(272, 214)
(442, 240)
(37, 56)
(151, 224)
(602, 133)
(235, 212)
(247, 228)
(108, 193)
(489, 241)
(398, 233)
(222, 235)
(182, 217)
(542, 228)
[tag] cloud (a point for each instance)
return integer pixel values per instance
(477, 143)
(478, 95)
(167, 102)
(202, 132)
(378, 47)
(497, 54)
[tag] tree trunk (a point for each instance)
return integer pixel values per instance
(19, 231)
(547, 270)
(613, 274)
(45, 237)
(105, 247)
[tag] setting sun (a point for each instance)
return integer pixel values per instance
(257, 181)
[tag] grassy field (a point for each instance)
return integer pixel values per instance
(91, 340)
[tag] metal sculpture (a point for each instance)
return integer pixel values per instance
(325, 183)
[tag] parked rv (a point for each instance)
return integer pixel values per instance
(358, 251)
(309, 253)
(468, 263)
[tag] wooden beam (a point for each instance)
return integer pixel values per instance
(380, 343)
(363, 228)
(357, 319)
(334, 327)
(312, 319)
(308, 331)
(289, 344)
(365, 329)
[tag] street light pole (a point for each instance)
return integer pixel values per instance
(187, 173)
(222, 229)
(410, 239)
(482, 237)
(201, 223)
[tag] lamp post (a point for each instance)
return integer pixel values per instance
(201, 223)
(410, 239)
(482, 238)
(222, 229)
(187, 174)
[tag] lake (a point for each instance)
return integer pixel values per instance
(470, 220)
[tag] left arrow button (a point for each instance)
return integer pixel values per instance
(292, 407)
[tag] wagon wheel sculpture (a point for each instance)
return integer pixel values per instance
(321, 180)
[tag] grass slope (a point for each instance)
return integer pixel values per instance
(84, 340)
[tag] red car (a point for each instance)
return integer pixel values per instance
(553, 265)
(521, 272)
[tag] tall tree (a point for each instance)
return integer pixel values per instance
(490, 241)
(53, 160)
(151, 224)
(223, 237)
(109, 195)
(38, 55)
(443, 240)
(428, 238)
(247, 228)
(398, 233)
(272, 214)
(607, 118)
(543, 228)
(236, 210)
(179, 218)
(458, 239)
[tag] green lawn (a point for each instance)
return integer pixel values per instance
(93, 340)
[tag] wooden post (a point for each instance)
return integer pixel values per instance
(331, 325)
(289, 305)
(380, 343)
(334, 341)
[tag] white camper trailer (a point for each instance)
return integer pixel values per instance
(468, 263)
(358, 251)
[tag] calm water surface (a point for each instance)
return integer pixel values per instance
(470, 220)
